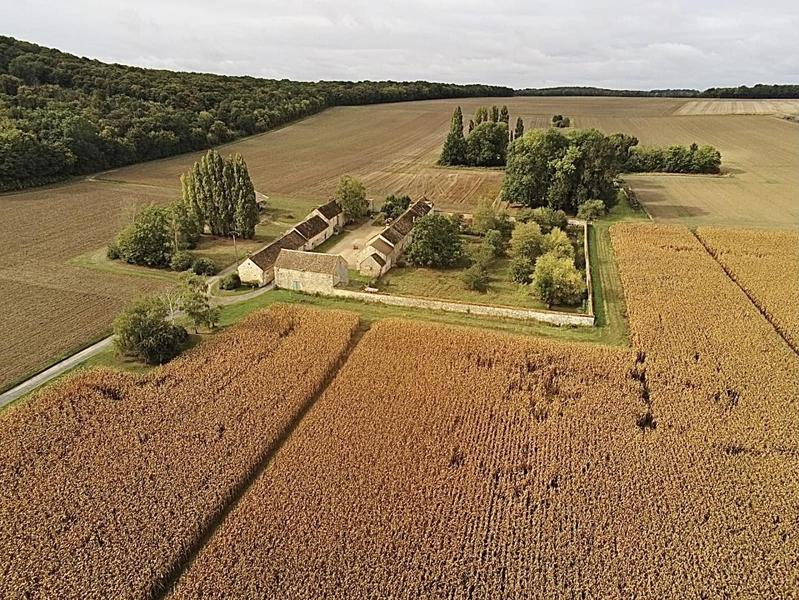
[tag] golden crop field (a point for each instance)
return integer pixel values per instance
(766, 265)
(108, 480)
(458, 464)
(53, 306)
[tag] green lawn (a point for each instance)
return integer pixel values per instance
(446, 284)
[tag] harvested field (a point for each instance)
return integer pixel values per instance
(108, 480)
(723, 106)
(766, 265)
(485, 466)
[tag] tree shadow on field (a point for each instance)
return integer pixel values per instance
(659, 202)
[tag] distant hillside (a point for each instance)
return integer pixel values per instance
(63, 115)
(758, 91)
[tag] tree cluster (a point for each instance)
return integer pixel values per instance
(561, 121)
(436, 241)
(220, 195)
(560, 170)
(394, 206)
(485, 145)
(673, 159)
(351, 197)
(62, 115)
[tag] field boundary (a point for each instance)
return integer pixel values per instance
(163, 588)
(731, 275)
(551, 317)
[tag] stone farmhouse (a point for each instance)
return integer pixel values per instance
(321, 224)
(309, 271)
(382, 252)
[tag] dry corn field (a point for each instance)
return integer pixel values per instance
(108, 480)
(766, 265)
(475, 465)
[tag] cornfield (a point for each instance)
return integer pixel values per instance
(766, 265)
(460, 464)
(108, 480)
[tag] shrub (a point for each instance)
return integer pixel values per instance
(476, 277)
(143, 331)
(380, 219)
(230, 282)
(203, 266)
(181, 261)
(495, 242)
(557, 242)
(147, 240)
(521, 269)
(527, 242)
(112, 251)
(394, 206)
(591, 210)
(556, 281)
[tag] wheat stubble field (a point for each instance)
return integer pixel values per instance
(52, 307)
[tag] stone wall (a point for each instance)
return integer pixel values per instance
(304, 281)
(555, 318)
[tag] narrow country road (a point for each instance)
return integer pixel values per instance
(73, 361)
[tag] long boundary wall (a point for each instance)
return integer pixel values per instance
(554, 318)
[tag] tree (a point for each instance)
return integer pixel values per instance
(148, 240)
(144, 331)
(184, 227)
(526, 245)
(591, 210)
(195, 303)
(221, 195)
(480, 115)
(557, 242)
(546, 218)
(486, 218)
(504, 116)
(556, 281)
(530, 166)
(494, 114)
(519, 130)
(436, 241)
(454, 150)
(471, 125)
(487, 145)
(394, 206)
(351, 197)
(495, 242)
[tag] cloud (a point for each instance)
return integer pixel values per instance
(615, 44)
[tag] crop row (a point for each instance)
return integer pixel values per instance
(716, 367)
(108, 480)
(766, 265)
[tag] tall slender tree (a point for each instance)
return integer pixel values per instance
(494, 114)
(504, 115)
(454, 150)
(519, 131)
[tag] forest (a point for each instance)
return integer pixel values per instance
(62, 115)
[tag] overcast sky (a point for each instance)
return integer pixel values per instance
(617, 43)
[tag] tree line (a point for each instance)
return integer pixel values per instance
(759, 90)
(62, 115)
(486, 144)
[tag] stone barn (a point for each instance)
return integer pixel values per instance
(315, 230)
(332, 213)
(310, 271)
(258, 269)
(383, 251)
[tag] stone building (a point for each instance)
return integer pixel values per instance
(383, 251)
(309, 271)
(332, 213)
(258, 269)
(315, 230)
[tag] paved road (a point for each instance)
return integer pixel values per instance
(73, 361)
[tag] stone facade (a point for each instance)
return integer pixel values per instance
(311, 272)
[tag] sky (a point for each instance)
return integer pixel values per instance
(618, 43)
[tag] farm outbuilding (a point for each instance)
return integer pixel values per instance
(385, 248)
(258, 269)
(315, 230)
(331, 213)
(309, 271)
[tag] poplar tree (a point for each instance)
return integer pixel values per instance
(504, 115)
(454, 150)
(494, 114)
(245, 215)
(519, 131)
(471, 125)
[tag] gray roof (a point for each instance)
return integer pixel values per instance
(265, 258)
(312, 227)
(310, 262)
(403, 225)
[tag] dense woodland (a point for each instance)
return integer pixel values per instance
(62, 115)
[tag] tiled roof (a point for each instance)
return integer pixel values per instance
(312, 227)
(265, 258)
(330, 210)
(310, 262)
(381, 246)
